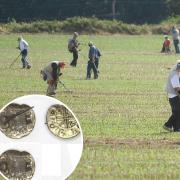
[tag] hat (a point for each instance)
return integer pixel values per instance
(76, 34)
(165, 36)
(19, 38)
(178, 64)
(61, 64)
(90, 43)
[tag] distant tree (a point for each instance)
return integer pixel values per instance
(129, 11)
(174, 7)
(142, 11)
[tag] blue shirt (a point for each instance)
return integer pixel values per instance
(94, 52)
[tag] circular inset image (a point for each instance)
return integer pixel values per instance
(56, 151)
(17, 120)
(17, 165)
(61, 122)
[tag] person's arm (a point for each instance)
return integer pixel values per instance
(177, 89)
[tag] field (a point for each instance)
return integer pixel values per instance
(121, 113)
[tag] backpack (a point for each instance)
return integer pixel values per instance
(70, 44)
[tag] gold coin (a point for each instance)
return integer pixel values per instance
(16, 165)
(61, 122)
(17, 121)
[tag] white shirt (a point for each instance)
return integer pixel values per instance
(23, 44)
(175, 83)
(49, 67)
(175, 34)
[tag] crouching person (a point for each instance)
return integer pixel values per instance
(51, 74)
(166, 45)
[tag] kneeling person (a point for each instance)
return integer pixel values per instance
(51, 74)
(166, 45)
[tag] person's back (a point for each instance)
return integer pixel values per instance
(167, 43)
(92, 52)
(169, 87)
(23, 44)
(72, 43)
(175, 33)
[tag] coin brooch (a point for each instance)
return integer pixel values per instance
(16, 165)
(61, 122)
(17, 121)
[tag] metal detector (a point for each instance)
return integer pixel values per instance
(14, 61)
(67, 90)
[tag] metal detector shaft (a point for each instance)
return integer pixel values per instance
(14, 60)
(64, 86)
(96, 67)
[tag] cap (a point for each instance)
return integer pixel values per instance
(90, 43)
(76, 34)
(178, 64)
(61, 64)
(19, 38)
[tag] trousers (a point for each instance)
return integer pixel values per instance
(174, 119)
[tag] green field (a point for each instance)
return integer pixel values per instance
(121, 113)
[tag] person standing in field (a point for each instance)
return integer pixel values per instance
(73, 48)
(175, 35)
(51, 74)
(93, 56)
(173, 91)
(23, 47)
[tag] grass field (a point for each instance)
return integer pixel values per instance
(121, 113)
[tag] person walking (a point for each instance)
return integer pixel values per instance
(73, 48)
(23, 47)
(173, 91)
(175, 36)
(93, 55)
(51, 74)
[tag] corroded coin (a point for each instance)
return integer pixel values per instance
(17, 121)
(61, 122)
(16, 165)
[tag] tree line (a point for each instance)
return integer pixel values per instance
(128, 11)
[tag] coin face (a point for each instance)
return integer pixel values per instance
(16, 165)
(17, 121)
(61, 122)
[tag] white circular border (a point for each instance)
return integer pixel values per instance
(55, 158)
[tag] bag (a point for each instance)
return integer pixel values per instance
(70, 45)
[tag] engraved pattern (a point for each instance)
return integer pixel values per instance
(17, 121)
(17, 165)
(61, 122)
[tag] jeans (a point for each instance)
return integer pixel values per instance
(174, 120)
(90, 66)
(24, 59)
(97, 63)
(176, 45)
